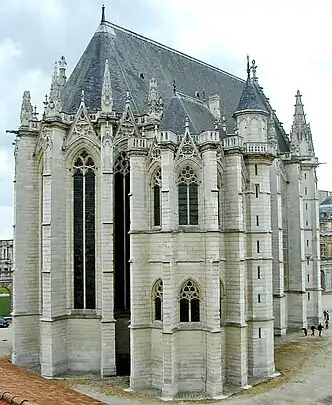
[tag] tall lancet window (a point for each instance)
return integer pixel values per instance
(84, 232)
(156, 187)
(188, 197)
(121, 234)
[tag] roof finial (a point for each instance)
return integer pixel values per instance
(82, 96)
(128, 97)
(248, 68)
(186, 122)
(174, 87)
(103, 14)
(254, 68)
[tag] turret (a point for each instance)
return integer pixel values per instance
(251, 113)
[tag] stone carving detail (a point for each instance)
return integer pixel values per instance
(155, 102)
(26, 109)
(154, 153)
(127, 126)
(187, 148)
(81, 128)
(53, 105)
(106, 92)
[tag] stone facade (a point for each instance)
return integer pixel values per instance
(177, 250)
(325, 219)
(6, 263)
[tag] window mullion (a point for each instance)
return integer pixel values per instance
(189, 307)
(84, 245)
(188, 205)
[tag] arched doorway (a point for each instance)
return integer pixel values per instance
(5, 302)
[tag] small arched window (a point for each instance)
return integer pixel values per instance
(322, 279)
(158, 300)
(222, 304)
(156, 188)
(188, 197)
(220, 201)
(189, 302)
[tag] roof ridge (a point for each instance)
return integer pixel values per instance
(112, 25)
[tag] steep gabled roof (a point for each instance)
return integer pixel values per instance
(133, 61)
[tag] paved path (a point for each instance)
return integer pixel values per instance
(310, 385)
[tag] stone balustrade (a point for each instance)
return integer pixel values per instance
(232, 142)
(259, 148)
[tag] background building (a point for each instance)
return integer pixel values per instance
(6, 276)
(325, 221)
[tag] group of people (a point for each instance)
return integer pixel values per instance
(320, 327)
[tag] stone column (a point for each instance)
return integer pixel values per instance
(259, 274)
(140, 285)
(279, 297)
(26, 288)
(170, 303)
(312, 249)
(296, 292)
(236, 327)
(53, 263)
(108, 366)
(214, 378)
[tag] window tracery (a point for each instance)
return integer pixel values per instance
(121, 164)
(188, 196)
(189, 302)
(158, 300)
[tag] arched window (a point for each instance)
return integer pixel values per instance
(158, 300)
(220, 201)
(189, 302)
(156, 187)
(222, 304)
(84, 232)
(188, 197)
(322, 279)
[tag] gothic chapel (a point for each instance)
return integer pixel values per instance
(166, 226)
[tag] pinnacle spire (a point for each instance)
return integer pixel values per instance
(103, 19)
(106, 92)
(301, 138)
(26, 109)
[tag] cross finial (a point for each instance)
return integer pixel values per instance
(128, 98)
(46, 100)
(254, 69)
(248, 68)
(103, 14)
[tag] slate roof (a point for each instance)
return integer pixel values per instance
(133, 61)
(179, 107)
(250, 98)
(327, 201)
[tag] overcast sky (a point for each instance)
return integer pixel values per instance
(289, 39)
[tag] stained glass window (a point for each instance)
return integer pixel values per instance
(188, 197)
(84, 232)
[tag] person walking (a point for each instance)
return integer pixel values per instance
(326, 324)
(320, 327)
(313, 330)
(325, 314)
(305, 331)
